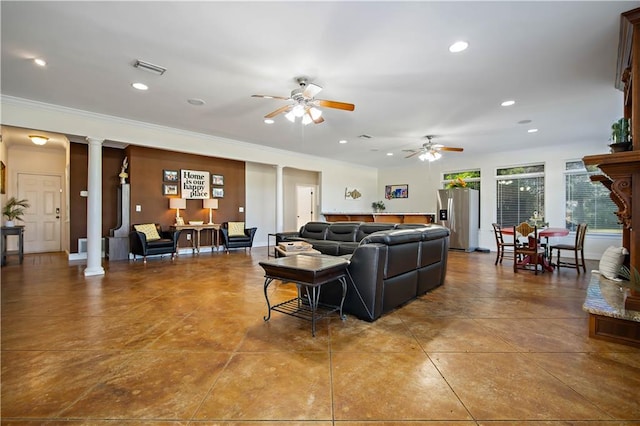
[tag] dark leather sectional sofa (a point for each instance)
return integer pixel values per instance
(390, 264)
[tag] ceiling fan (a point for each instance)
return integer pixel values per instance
(430, 151)
(304, 105)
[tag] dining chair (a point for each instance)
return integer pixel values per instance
(530, 254)
(523, 229)
(501, 244)
(576, 247)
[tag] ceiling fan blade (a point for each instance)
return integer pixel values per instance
(311, 90)
(270, 97)
(334, 104)
(448, 148)
(278, 111)
(411, 155)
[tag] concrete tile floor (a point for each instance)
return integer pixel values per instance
(184, 342)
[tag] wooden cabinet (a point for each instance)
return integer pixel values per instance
(621, 171)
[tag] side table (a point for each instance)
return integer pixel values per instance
(309, 273)
(12, 230)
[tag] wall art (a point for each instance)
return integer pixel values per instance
(170, 175)
(396, 191)
(169, 189)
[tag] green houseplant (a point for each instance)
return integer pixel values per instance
(14, 209)
(620, 135)
(378, 206)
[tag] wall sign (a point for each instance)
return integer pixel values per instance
(194, 184)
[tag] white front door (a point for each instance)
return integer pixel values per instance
(42, 218)
(305, 202)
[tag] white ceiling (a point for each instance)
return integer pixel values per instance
(555, 59)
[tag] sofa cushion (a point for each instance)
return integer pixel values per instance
(331, 248)
(236, 229)
(343, 231)
(314, 230)
(160, 243)
(149, 230)
(369, 228)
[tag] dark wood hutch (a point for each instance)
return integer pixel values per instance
(621, 176)
(621, 171)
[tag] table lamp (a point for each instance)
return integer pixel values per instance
(210, 203)
(177, 203)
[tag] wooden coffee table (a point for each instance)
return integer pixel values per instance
(310, 273)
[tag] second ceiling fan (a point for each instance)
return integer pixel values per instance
(305, 105)
(430, 151)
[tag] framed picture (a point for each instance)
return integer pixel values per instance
(217, 180)
(170, 175)
(217, 192)
(3, 178)
(396, 191)
(169, 189)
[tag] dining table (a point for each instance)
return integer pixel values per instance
(545, 233)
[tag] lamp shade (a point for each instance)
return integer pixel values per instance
(177, 203)
(209, 203)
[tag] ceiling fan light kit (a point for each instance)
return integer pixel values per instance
(305, 105)
(431, 151)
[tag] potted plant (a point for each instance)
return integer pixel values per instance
(632, 276)
(457, 183)
(378, 206)
(13, 210)
(620, 135)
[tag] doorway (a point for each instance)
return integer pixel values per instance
(42, 220)
(305, 204)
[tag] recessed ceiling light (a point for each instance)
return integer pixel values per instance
(140, 86)
(342, 141)
(196, 102)
(532, 130)
(269, 121)
(40, 62)
(508, 103)
(458, 46)
(389, 154)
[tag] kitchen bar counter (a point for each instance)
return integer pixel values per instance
(380, 217)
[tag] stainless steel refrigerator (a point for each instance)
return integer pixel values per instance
(458, 210)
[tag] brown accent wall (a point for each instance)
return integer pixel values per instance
(145, 170)
(78, 172)
(146, 166)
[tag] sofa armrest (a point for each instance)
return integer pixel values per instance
(250, 232)
(138, 243)
(367, 272)
(284, 236)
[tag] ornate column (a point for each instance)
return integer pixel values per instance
(94, 209)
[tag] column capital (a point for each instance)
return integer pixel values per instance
(93, 140)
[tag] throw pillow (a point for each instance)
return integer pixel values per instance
(236, 229)
(611, 260)
(148, 229)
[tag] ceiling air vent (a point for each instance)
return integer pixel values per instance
(365, 136)
(156, 69)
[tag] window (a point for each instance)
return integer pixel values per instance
(471, 177)
(588, 202)
(520, 194)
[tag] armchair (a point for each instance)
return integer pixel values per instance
(235, 235)
(149, 239)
